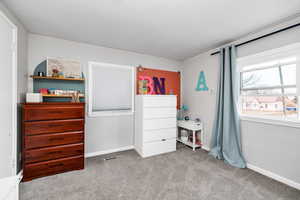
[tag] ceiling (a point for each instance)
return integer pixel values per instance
(175, 29)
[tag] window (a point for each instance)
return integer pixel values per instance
(110, 89)
(268, 85)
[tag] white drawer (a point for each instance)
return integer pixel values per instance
(155, 148)
(151, 113)
(154, 124)
(158, 135)
(160, 101)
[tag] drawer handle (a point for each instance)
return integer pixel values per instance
(56, 139)
(57, 165)
(55, 125)
(163, 139)
(55, 152)
(56, 111)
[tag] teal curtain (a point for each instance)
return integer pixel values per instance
(226, 143)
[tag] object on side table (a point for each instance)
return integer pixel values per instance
(197, 138)
(52, 138)
(197, 120)
(186, 118)
(184, 135)
(181, 112)
(34, 98)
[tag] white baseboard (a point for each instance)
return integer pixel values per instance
(274, 176)
(98, 153)
(9, 187)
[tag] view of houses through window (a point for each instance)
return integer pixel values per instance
(269, 89)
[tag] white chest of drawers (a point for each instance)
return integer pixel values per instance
(155, 124)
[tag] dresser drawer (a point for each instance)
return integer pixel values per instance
(153, 124)
(54, 126)
(53, 139)
(152, 113)
(160, 101)
(35, 113)
(159, 147)
(52, 167)
(51, 153)
(158, 135)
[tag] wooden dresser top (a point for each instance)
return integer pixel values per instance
(53, 103)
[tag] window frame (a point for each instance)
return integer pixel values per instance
(92, 113)
(282, 86)
(275, 54)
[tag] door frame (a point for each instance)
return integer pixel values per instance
(13, 134)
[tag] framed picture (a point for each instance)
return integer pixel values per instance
(60, 67)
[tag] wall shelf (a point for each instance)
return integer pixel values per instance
(60, 96)
(56, 83)
(56, 78)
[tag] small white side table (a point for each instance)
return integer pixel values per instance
(192, 126)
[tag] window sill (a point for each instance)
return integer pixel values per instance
(109, 113)
(272, 121)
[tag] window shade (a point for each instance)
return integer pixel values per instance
(112, 87)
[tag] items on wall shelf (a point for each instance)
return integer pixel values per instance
(57, 78)
(61, 95)
(54, 86)
(63, 68)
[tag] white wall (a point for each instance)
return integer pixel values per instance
(102, 133)
(270, 147)
(201, 104)
(21, 69)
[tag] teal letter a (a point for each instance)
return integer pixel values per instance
(201, 85)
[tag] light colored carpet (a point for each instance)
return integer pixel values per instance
(182, 175)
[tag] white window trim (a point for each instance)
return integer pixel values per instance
(273, 54)
(270, 120)
(269, 55)
(92, 113)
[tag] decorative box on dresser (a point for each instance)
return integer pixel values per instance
(155, 124)
(53, 138)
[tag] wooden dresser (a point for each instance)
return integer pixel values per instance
(53, 138)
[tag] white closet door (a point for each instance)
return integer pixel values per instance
(6, 98)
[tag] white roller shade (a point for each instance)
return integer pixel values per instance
(111, 88)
